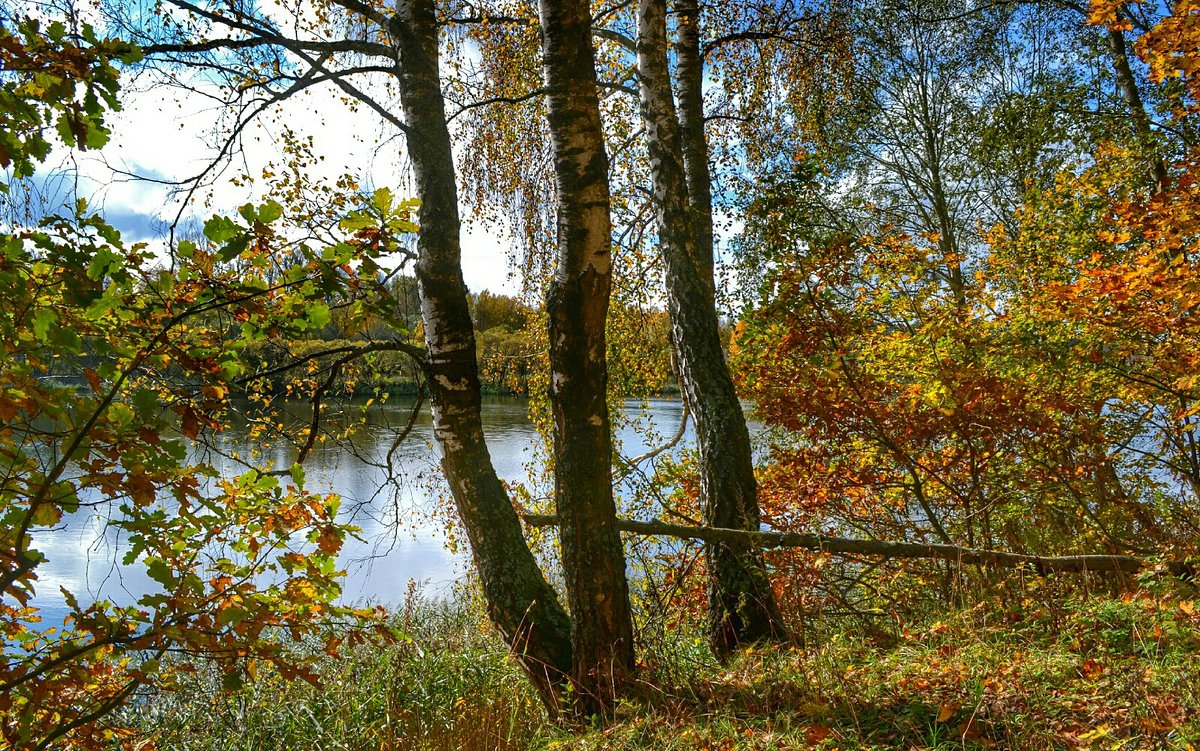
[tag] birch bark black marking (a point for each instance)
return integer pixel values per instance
(689, 75)
(577, 306)
(520, 601)
(741, 603)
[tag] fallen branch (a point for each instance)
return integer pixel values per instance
(847, 546)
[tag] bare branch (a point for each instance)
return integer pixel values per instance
(365, 10)
(349, 353)
(612, 35)
(261, 39)
(464, 108)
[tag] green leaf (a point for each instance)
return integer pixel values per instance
(145, 402)
(95, 135)
(160, 572)
(220, 229)
(120, 415)
(66, 497)
(382, 200)
(297, 473)
(175, 449)
(233, 249)
(317, 315)
(64, 129)
(357, 220)
(232, 614)
(270, 211)
(43, 319)
(232, 681)
(104, 260)
(46, 515)
(67, 339)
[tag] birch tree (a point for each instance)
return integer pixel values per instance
(577, 305)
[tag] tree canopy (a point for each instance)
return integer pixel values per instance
(945, 248)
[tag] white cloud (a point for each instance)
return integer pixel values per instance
(166, 133)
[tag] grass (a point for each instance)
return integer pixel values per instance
(1092, 672)
(448, 685)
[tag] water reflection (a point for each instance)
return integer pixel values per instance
(395, 504)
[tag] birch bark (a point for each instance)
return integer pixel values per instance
(741, 603)
(520, 601)
(592, 552)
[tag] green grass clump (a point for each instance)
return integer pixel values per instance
(447, 684)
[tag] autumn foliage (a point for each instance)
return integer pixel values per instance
(113, 369)
(1045, 403)
(978, 329)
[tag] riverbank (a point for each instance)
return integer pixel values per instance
(1093, 672)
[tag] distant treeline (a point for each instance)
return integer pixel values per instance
(510, 345)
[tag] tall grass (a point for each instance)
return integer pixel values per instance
(1085, 671)
(447, 684)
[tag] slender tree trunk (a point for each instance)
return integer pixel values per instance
(520, 601)
(741, 604)
(1132, 97)
(593, 556)
(689, 76)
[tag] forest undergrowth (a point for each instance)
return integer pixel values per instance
(1046, 665)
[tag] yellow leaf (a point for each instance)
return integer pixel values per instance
(46, 515)
(1092, 735)
(947, 711)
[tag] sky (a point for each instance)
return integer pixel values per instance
(165, 134)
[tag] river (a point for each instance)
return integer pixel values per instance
(404, 532)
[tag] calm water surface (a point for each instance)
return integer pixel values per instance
(402, 539)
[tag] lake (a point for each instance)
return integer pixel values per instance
(403, 531)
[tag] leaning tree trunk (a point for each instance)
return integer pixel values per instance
(1139, 120)
(520, 601)
(741, 603)
(593, 557)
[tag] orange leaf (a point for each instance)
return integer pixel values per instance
(816, 734)
(328, 541)
(92, 379)
(190, 425)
